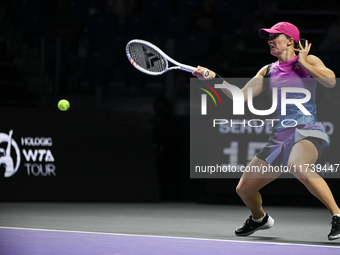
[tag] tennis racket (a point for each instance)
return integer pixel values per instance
(151, 60)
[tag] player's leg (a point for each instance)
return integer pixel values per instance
(248, 189)
(305, 152)
(250, 184)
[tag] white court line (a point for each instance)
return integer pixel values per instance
(169, 237)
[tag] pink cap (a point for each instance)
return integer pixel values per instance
(281, 28)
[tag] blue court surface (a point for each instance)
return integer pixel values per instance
(165, 228)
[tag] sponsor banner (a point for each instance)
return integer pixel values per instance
(49, 155)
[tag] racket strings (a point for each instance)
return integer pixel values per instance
(147, 58)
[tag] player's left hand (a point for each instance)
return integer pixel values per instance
(303, 51)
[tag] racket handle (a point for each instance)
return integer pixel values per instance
(190, 69)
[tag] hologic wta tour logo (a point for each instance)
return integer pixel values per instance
(38, 161)
(6, 155)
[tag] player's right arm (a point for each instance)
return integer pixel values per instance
(256, 83)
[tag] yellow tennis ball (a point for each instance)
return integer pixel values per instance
(63, 105)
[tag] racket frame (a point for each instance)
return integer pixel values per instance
(166, 58)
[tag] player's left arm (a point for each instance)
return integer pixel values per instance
(315, 67)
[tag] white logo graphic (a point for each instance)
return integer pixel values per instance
(238, 100)
(5, 155)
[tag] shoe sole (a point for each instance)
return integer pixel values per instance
(268, 225)
(331, 238)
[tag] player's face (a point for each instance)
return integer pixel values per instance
(278, 43)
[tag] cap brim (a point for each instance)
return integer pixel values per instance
(264, 32)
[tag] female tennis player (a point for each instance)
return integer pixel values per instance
(293, 146)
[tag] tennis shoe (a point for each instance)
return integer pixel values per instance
(250, 226)
(335, 230)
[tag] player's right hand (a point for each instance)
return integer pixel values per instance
(203, 73)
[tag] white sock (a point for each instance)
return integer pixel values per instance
(259, 220)
(337, 215)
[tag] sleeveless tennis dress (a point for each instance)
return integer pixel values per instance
(284, 136)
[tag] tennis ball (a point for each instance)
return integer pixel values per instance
(63, 105)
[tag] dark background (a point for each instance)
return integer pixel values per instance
(126, 136)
